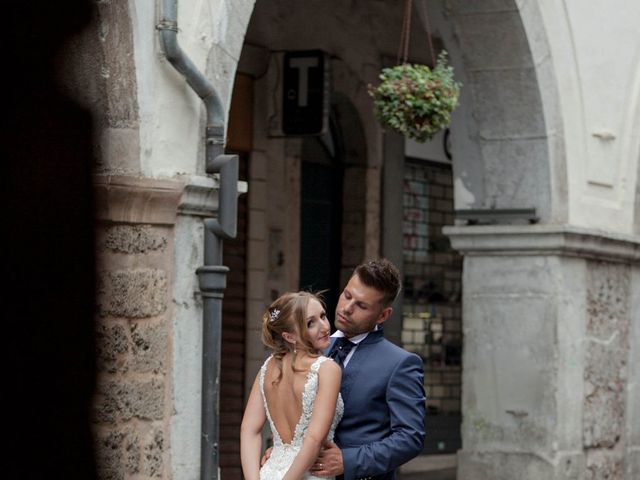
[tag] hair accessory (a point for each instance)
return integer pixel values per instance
(273, 315)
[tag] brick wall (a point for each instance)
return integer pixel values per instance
(233, 343)
(432, 320)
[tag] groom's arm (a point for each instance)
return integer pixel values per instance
(406, 402)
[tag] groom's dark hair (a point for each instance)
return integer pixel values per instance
(382, 275)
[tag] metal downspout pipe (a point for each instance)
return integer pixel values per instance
(212, 275)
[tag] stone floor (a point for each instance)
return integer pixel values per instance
(429, 467)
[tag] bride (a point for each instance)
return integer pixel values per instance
(297, 390)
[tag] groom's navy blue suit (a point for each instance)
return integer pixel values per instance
(384, 409)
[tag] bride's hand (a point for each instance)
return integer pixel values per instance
(265, 457)
(329, 462)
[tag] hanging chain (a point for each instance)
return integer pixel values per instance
(405, 34)
(426, 21)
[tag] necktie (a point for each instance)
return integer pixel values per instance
(341, 349)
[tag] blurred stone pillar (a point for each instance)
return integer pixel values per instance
(551, 326)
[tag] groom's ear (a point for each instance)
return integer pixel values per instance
(384, 315)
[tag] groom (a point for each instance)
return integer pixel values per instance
(382, 384)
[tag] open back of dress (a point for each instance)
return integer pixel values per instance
(291, 400)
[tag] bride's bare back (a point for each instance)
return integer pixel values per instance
(284, 399)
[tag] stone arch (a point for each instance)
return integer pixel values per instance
(633, 148)
(512, 114)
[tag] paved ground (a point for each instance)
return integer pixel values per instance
(429, 467)
(446, 474)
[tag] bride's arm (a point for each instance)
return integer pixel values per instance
(251, 433)
(329, 377)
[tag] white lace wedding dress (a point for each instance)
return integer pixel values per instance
(283, 454)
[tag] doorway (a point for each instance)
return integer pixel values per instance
(321, 217)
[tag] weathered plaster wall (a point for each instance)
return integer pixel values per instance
(172, 130)
(100, 73)
(597, 80)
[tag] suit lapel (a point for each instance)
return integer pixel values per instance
(358, 362)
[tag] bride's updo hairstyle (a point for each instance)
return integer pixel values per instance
(288, 314)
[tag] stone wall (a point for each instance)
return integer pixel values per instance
(606, 369)
(133, 328)
(550, 332)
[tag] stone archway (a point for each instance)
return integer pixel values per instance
(504, 155)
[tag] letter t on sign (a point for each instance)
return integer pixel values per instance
(303, 64)
(305, 87)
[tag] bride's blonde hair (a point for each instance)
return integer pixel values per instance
(288, 313)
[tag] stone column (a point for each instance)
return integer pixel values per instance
(551, 326)
(135, 245)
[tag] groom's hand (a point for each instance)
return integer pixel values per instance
(329, 462)
(265, 457)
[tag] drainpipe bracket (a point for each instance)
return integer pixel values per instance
(167, 25)
(212, 280)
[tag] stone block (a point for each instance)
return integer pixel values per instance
(122, 401)
(608, 300)
(511, 275)
(483, 37)
(132, 293)
(604, 416)
(518, 465)
(131, 452)
(632, 464)
(148, 346)
(507, 104)
(109, 458)
(153, 450)
(515, 174)
(514, 354)
(604, 465)
(112, 343)
(133, 239)
(633, 386)
(606, 356)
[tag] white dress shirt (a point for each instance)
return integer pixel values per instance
(355, 339)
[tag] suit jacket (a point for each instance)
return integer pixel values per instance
(384, 409)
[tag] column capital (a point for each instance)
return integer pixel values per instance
(563, 240)
(125, 199)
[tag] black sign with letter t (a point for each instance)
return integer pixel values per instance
(305, 94)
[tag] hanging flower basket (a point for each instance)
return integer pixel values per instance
(415, 100)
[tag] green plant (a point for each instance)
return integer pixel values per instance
(415, 100)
